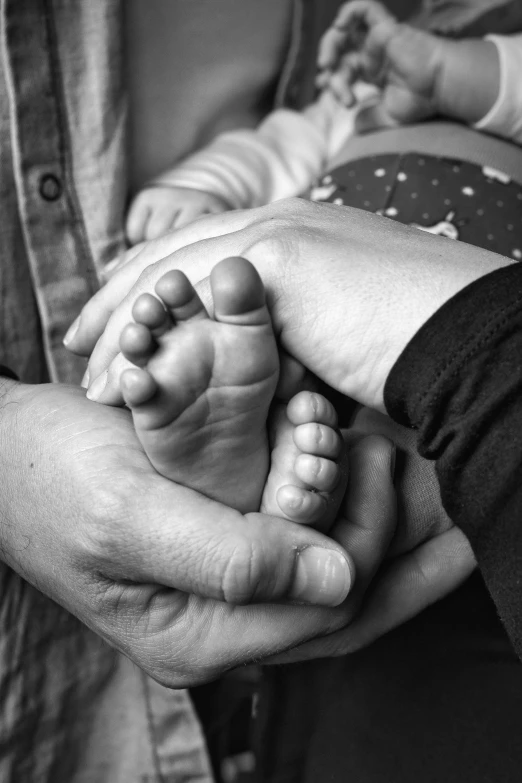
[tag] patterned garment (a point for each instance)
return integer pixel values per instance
(478, 205)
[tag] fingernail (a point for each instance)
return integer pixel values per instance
(85, 380)
(97, 387)
(71, 331)
(323, 577)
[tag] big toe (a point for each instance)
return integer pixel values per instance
(238, 290)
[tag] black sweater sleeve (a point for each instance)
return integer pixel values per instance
(459, 384)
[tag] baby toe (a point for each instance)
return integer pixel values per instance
(318, 439)
(137, 344)
(317, 472)
(137, 386)
(179, 296)
(309, 406)
(149, 311)
(300, 505)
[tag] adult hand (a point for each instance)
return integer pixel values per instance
(428, 558)
(155, 569)
(347, 289)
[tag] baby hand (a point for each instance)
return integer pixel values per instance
(157, 210)
(366, 42)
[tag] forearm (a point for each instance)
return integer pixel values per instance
(459, 383)
(468, 79)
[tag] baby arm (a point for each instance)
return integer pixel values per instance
(159, 209)
(420, 74)
(244, 168)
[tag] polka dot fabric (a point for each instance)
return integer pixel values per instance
(481, 206)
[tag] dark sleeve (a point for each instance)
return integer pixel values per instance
(459, 384)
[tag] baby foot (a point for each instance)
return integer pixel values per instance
(202, 387)
(308, 475)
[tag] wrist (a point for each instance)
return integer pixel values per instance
(446, 59)
(468, 79)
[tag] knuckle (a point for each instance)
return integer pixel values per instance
(102, 536)
(242, 573)
(277, 229)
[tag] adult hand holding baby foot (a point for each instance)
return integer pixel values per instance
(157, 570)
(371, 280)
(349, 325)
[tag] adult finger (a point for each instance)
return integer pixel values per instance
(106, 388)
(407, 585)
(219, 553)
(367, 524)
(184, 639)
(410, 584)
(120, 261)
(88, 327)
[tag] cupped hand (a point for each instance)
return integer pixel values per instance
(347, 289)
(428, 558)
(162, 573)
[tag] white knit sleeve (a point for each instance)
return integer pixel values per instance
(281, 158)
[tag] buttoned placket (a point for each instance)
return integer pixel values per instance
(62, 269)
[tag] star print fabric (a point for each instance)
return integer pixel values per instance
(478, 205)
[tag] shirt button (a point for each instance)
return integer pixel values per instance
(50, 187)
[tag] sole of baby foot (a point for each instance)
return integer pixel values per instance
(202, 387)
(308, 467)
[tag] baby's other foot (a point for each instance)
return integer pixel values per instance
(308, 474)
(202, 387)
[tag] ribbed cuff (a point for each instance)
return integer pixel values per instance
(465, 324)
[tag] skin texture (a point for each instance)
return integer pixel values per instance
(348, 326)
(200, 395)
(384, 281)
(160, 572)
(165, 575)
